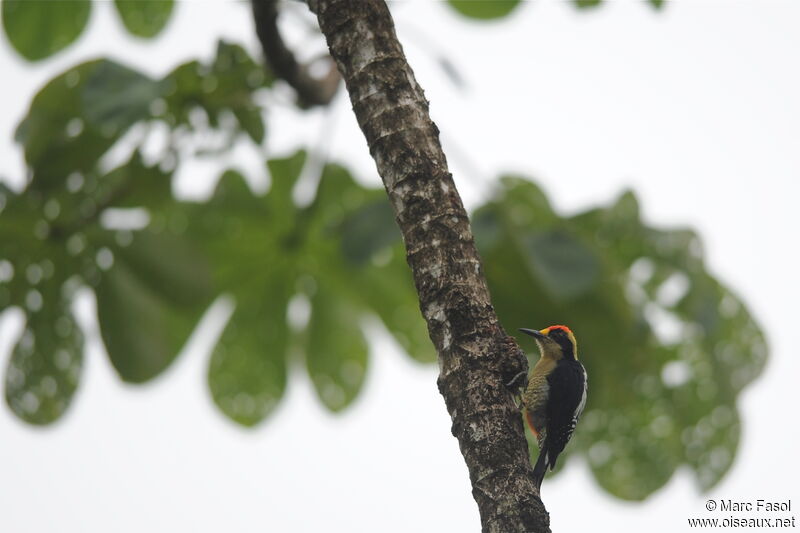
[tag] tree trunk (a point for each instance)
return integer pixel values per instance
(476, 357)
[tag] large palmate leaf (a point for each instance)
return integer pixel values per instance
(64, 229)
(666, 346)
(270, 254)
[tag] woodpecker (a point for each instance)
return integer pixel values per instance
(555, 396)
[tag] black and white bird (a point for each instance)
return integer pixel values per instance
(555, 396)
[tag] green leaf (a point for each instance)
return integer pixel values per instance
(658, 4)
(484, 9)
(260, 239)
(39, 272)
(368, 231)
(78, 116)
(336, 353)
(374, 273)
(144, 18)
(237, 73)
(38, 29)
(224, 86)
(247, 373)
(45, 366)
(135, 185)
(616, 457)
(34, 253)
(244, 235)
(587, 3)
(251, 122)
(232, 230)
(369, 266)
(370, 241)
(149, 302)
(115, 97)
(566, 267)
(387, 289)
(55, 134)
(284, 173)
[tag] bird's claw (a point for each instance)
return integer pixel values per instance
(515, 391)
(510, 384)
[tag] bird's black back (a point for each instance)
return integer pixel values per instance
(567, 383)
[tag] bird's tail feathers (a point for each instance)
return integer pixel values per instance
(540, 468)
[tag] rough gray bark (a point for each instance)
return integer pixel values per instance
(476, 357)
(310, 91)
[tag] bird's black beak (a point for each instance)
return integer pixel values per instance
(532, 332)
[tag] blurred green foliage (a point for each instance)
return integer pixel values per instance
(667, 346)
(152, 283)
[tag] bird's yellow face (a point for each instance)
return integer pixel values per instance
(555, 342)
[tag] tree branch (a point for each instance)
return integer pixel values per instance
(476, 357)
(311, 91)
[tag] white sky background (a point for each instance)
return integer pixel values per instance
(696, 108)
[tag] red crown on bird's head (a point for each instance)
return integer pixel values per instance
(565, 329)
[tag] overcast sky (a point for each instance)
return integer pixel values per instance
(695, 108)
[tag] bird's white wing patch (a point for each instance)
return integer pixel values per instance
(582, 403)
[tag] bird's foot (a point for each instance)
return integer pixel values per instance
(516, 389)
